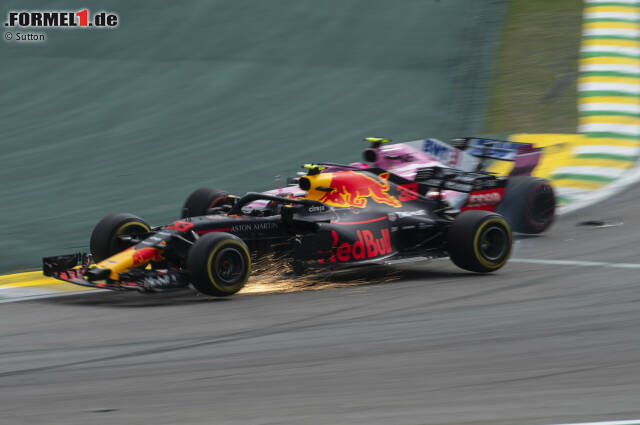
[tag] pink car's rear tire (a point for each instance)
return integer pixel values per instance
(529, 204)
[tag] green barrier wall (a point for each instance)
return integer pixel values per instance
(219, 93)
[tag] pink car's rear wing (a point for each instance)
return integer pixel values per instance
(524, 155)
(463, 154)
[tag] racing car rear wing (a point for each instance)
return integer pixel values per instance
(524, 155)
(470, 153)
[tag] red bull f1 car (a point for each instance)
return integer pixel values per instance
(400, 204)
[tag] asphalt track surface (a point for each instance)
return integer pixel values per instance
(531, 344)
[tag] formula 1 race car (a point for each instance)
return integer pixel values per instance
(528, 203)
(335, 216)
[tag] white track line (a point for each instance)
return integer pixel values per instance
(624, 32)
(570, 190)
(624, 50)
(626, 129)
(611, 172)
(44, 296)
(575, 263)
(631, 108)
(615, 67)
(625, 16)
(630, 88)
(606, 149)
(631, 422)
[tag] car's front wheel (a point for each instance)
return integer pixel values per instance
(219, 264)
(115, 233)
(479, 241)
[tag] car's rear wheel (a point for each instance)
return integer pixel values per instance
(479, 241)
(529, 204)
(115, 233)
(219, 264)
(202, 200)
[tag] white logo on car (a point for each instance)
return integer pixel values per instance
(484, 198)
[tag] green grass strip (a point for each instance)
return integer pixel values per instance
(607, 54)
(606, 135)
(610, 74)
(585, 177)
(610, 37)
(592, 93)
(609, 113)
(592, 20)
(607, 156)
(564, 199)
(609, 3)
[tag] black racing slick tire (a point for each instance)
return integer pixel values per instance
(479, 241)
(529, 204)
(201, 200)
(104, 238)
(219, 264)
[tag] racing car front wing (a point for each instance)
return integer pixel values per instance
(73, 268)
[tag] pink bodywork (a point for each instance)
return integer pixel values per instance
(409, 161)
(404, 159)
